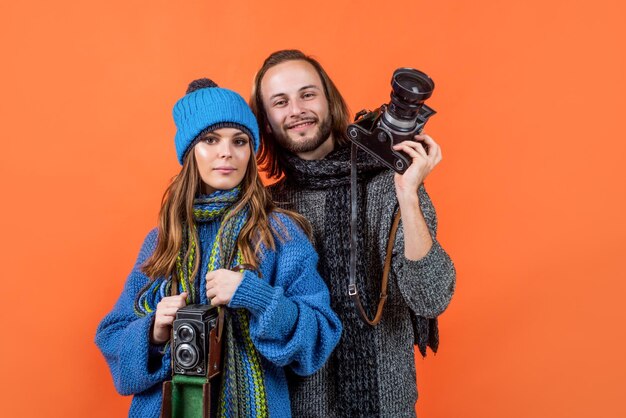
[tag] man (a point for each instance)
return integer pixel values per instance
(303, 119)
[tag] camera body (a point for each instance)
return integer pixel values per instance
(195, 347)
(401, 119)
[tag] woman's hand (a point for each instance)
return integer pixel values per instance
(221, 286)
(164, 317)
(425, 155)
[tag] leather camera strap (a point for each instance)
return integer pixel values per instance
(352, 288)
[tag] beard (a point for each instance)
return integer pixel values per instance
(296, 147)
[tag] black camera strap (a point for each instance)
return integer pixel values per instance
(352, 288)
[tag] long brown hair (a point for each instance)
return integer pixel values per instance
(268, 156)
(177, 212)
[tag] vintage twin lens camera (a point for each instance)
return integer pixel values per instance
(194, 336)
(401, 119)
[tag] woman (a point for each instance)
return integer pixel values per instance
(215, 215)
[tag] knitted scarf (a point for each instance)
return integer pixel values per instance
(354, 357)
(242, 391)
(332, 171)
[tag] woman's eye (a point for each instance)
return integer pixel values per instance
(210, 140)
(241, 141)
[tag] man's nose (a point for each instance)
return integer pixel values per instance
(295, 107)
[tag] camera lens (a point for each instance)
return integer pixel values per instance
(185, 333)
(409, 89)
(186, 355)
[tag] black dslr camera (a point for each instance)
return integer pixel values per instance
(403, 118)
(195, 348)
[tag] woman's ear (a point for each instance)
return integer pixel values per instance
(268, 128)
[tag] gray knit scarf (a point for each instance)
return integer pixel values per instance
(354, 357)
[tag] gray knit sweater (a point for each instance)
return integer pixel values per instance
(372, 371)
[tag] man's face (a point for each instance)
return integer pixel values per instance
(297, 109)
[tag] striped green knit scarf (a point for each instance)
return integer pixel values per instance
(242, 392)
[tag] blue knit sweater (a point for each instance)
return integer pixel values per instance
(291, 322)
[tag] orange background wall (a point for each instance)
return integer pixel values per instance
(530, 193)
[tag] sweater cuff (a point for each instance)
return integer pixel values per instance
(157, 350)
(426, 261)
(253, 294)
(427, 284)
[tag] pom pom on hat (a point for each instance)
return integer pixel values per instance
(200, 83)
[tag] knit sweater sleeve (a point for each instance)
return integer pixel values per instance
(123, 337)
(427, 284)
(291, 322)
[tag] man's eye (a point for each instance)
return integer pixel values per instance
(308, 95)
(280, 103)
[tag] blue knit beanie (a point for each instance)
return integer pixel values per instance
(207, 107)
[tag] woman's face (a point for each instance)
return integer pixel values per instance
(222, 158)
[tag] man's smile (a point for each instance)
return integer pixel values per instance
(301, 125)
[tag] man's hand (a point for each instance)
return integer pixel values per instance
(423, 162)
(221, 286)
(164, 317)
